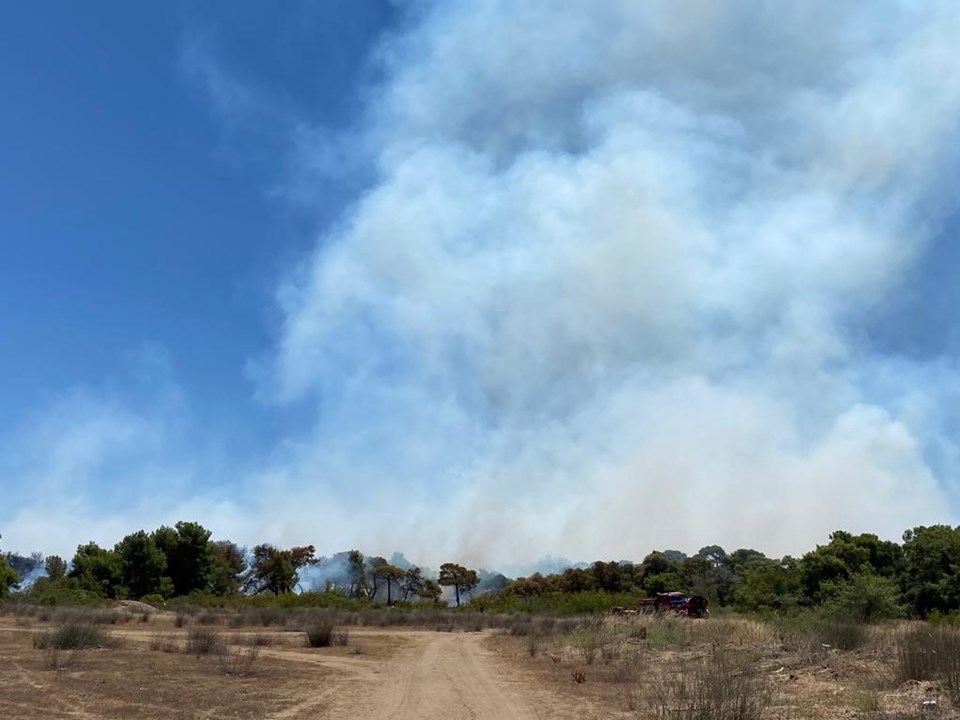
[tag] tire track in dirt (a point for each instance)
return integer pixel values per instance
(440, 675)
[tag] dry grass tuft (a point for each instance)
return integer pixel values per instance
(204, 641)
(721, 687)
(237, 662)
(72, 636)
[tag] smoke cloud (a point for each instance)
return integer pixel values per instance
(612, 286)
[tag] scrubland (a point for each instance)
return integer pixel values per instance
(132, 661)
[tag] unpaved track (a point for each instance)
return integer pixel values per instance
(446, 675)
(434, 676)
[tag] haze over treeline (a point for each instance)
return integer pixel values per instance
(528, 279)
(859, 577)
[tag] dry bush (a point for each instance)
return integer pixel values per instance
(730, 631)
(930, 652)
(204, 641)
(72, 636)
(667, 632)
(60, 660)
(237, 662)
(533, 644)
(271, 616)
(166, 643)
(208, 618)
(319, 633)
(181, 619)
(260, 639)
(89, 616)
(629, 669)
(844, 634)
(719, 687)
(589, 639)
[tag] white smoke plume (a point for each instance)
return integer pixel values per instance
(610, 288)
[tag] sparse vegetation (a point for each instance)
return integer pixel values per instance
(718, 687)
(72, 636)
(237, 662)
(930, 652)
(204, 641)
(323, 633)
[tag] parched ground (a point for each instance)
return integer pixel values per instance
(381, 673)
(606, 670)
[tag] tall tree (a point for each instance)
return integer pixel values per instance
(390, 574)
(374, 564)
(411, 585)
(56, 567)
(8, 576)
(187, 549)
(459, 578)
(275, 570)
(431, 590)
(358, 578)
(227, 565)
(141, 564)
(97, 570)
(930, 579)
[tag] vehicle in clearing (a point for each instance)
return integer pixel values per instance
(693, 606)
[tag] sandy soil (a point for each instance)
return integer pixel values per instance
(398, 674)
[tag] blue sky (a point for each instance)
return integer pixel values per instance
(487, 281)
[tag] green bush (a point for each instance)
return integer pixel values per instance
(864, 598)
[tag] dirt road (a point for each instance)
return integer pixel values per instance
(443, 675)
(434, 675)
(384, 673)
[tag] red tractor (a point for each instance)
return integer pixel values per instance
(694, 606)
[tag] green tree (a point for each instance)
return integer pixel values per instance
(715, 554)
(845, 556)
(411, 585)
(459, 578)
(357, 573)
(866, 597)
(930, 577)
(8, 577)
(769, 585)
(97, 570)
(275, 570)
(141, 564)
(390, 574)
(660, 573)
(56, 567)
(187, 550)
(227, 566)
(373, 572)
(431, 590)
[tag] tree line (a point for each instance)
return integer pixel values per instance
(183, 561)
(861, 574)
(919, 576)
